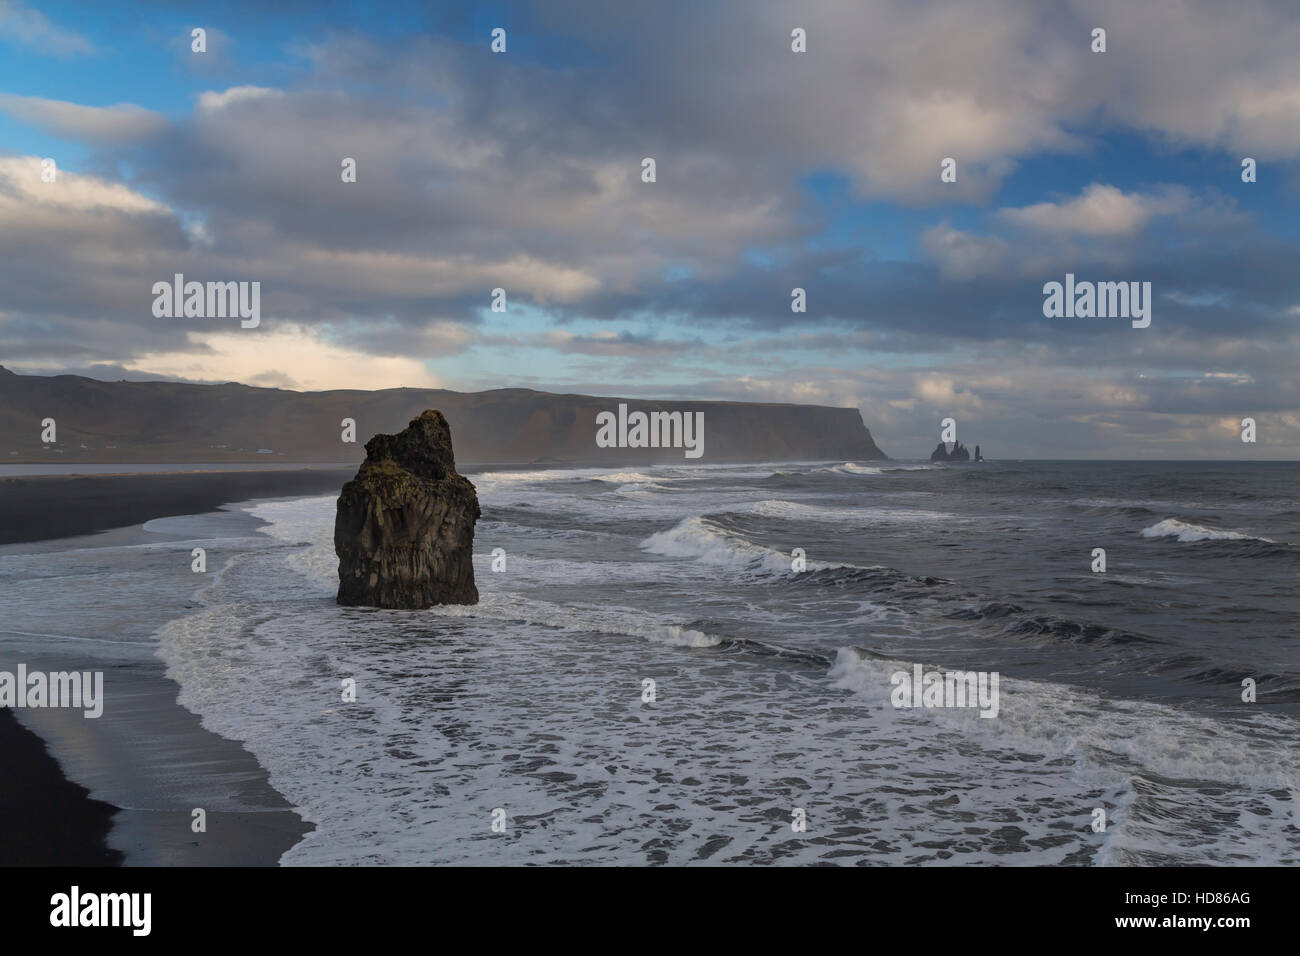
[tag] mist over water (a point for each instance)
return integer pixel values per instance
(1119, 690)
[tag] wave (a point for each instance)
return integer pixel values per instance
(629, 477)
(1025, 624)
(709, 543)
(795, 478)
(525, 477)
(677, 636)
(445, 687)
(1276, 687)
(622, 622)
(766, 649)
(1079, 633)
(641, 490)
(878, 579)
(852, 468)
(1188, 533)
(489, 481)
(1060, 719)
(500, 525)
(848, 468)
(785, 479)
(1112, 509)
(780, 508)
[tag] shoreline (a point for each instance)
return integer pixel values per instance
(121, 789)
(44, 507)
(49, 820)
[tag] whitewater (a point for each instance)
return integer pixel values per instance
(1120, 691)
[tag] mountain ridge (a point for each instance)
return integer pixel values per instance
(176, 422)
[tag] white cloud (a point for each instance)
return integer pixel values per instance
(1101, 211)
(211, 101)
(21, 176)
(284, 354)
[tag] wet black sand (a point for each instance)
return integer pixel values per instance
(47, 819)
(59, 506)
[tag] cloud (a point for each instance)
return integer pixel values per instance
(212, 100)
(988, 84)
(1107, 228)
(33, 28)
(1102, 211)
(945, 395)
(286, 356)
(1196, 73)
(414, 276)
(22, 191)
(610, 343)
(92, 124)
(962, 255)
(523, 172)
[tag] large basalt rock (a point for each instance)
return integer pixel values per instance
(959, 452)
(404, 528)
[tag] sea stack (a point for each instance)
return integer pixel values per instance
(959, 452)
(404, 528)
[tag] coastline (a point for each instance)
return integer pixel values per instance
(43, 507)
(49, 820)
(121, 789)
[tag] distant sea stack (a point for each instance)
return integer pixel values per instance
(404, 528)
(959, 453)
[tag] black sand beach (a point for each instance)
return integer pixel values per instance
(48, 819)
(37, 508)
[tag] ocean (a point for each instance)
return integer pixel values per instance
(646, 679)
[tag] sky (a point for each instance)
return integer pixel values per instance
(774, 170)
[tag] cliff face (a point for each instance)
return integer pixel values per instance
(404, 526)
(171, 422)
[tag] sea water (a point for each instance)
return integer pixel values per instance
(520, 730)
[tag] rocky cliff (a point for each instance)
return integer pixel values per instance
(959, 452)
(175, 422)
(404, 526)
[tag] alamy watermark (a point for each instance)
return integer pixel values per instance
(1102, 300)
(74, 689)
(212, 300)
(651, 430)
(922, 688)
(75, 908)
